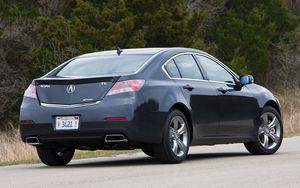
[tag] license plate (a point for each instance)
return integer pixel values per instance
(67, 123)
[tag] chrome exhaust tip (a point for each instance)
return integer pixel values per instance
(115, 138)
(32, 140)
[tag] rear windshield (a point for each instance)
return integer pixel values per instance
(103, 65)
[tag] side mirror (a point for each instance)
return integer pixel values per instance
(246, 79)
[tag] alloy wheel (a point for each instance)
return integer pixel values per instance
(269, 132)
(178, 136)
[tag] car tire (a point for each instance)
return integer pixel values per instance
(176, 139)
(269, 133)
(55, 156)
(148, 150)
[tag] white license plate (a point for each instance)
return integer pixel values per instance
(67, 123)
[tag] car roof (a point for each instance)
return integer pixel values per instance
(137, 51)
(134, 51)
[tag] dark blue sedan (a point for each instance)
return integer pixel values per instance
(162, 100)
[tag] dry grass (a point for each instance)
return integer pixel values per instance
(290, 107)
(14, 151)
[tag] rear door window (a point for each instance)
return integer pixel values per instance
(215, 71)
(188, 67)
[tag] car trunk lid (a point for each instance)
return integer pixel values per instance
(68, 91)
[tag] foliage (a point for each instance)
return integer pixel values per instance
(94, 26)
(13, 10)
(249, 28)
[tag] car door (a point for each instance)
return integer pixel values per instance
(199, 94)
(237, 105)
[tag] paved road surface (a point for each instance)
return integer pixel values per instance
(206, 166)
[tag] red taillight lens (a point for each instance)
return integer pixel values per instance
(23, 122)
(31, 92)
(126, 86)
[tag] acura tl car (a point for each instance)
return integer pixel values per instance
(161, 100)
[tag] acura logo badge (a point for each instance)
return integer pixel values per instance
(70, 89)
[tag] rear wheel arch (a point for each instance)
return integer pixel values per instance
(182, 108)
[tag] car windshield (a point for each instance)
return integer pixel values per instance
(103, 65)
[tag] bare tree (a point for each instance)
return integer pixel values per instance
(212, 8)
(12, 85)
(286, 62)
(294, 5)
(51, 8)
(15, 41)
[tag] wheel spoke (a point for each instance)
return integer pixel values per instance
(265, 119)
(266, 141)
(181, 145)
(171, 134)
(274, 138)
(181, 130)
(175, 123)
(273, 123)
(260, 131)
(175, 146)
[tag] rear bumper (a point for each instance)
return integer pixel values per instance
(141, 126)
(90, 135)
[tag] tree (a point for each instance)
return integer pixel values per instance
(94, 26)
(91, 27)
(16, 19)
(167, 23)
(249, 28)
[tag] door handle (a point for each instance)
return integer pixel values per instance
(222, 90)
(188, 87)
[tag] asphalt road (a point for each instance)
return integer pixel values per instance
(206, 166)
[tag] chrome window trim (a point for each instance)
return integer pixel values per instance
(173, 57)
(199, 80)
(219, 63)
(69, 105)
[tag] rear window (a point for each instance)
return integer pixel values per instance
(103, 65)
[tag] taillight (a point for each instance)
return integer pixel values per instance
(126, 86)
(31, 92)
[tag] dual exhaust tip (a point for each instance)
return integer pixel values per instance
(109, 138)
(115, 138)
(32, 140)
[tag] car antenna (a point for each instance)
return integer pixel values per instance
(119, 50)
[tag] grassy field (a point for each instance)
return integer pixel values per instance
(13, 151)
